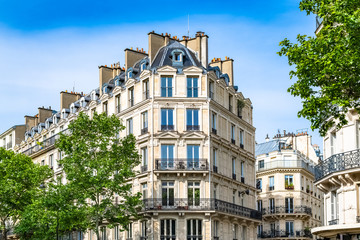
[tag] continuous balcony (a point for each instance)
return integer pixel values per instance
(167, 127)
(277, 164)
(192, 127)
(338, 162)
(284, 210)
(199, 204)
(44, 144)
(285, 234)
(184, 164)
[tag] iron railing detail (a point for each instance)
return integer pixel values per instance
(334, 222)
(181, 164)
(284, 234)
(144, 130)
(167, 127)
(192, 127)
(286, 164)
(338, 162)
(197, 204)
(287, 210)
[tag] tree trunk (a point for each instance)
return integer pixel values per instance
(4, 231)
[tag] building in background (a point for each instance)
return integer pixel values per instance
(12, 136)
(290, 203)
(338, 176)
(194, 131)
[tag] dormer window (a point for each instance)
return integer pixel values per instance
(129, 73)
(65, 113)
(55, 119)
(48, 122)
(143, 66)
(177, 56)
(105, 90)
(94, 95)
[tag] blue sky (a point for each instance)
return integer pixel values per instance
(47, 46)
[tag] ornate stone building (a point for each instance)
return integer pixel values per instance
(195, 134)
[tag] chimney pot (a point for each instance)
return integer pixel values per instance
(105, 65)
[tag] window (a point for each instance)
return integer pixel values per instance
(146, 89)
(130, 231)
(42, 162)
(167, 193)
(261, 164)
(129, 126)
(167, 229)
(144, 190)
(216, 228)
(143, 66)
(194, 193)
(333, 143)
(230, 102)
(213, 123)
(144, 124)
(241, 138)
(215, 191)
(244, 232)
(129, 74)
(232, 133)
(116, 232)
(234, 196)
(193, 156)
(166, 86)
(131, 97)
(118, 103)
(192, 120)
(103, 233)
(93, 111)
(289, 205)
(357, 134)
(144, 229)
(240, 106)
(233, 168)
(192, 87)
(105, 108)
(235, 231)
(167, 120)
(177, 57)
(259, 205)
(215, 165)
(194, 229)
(259, 183)
(290, 229)
(272, 205)
(260, 231)
(167, 157)
(211, 90)
(271, 183)
(51, 161)
(144, 156)
(289, 182)
(242, 168)
(334, 206)
(80, 235)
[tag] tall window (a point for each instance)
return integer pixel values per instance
(167, 156)
(244, 232)
(194, 193)
(232, 133)
(235, 231)
(144, 190)
(358, 134)
(166, 86)
(333, 143)
(216, 228)
(116, 232)
(260, 230)
(146, 89)
(271, 183)
(290, 229)
(103, 233)
(130, 231)
(230, 103)
(289, 182)
(131, 97)
(233, 168)
(272, 205)
(234, 196)
(215, 164)
(192, 120)
(129, 125)
(193, 156)
(194, 229)
(118, 103)
(192, 87)
(242, 168)
(259, 183)
(167, 193)
(289, 205)
(105, 108)
(144, 160)
(167, 229)
(211, 90)
(241, 138)
(51, 161)
(144, 122)
(334, 206)
(144, 229)
(259, 205)
(213, 123)
(167, 120)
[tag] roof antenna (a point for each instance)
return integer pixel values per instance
(74, 87)
(188, 26)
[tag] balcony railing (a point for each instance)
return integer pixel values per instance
(241, 145)
(199, 164)
(338, 162)
(284, 234)
(233, 141)
(243, 179)
(167, 127)
(214, 131)
(215, 169)
(194, 237)
(271, 188)
(167, 237)
(287, 210)
(144, 130)
(44, 144)
(334, 222)
(192, 127)
(234, 176)
(286, 164)
(144, 168)
(176, 204)
(358, 219)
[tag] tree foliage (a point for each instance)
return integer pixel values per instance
(20, 179)
(327, 66)
(98, 165)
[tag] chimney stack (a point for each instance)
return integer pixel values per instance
(200, 45)
(44, 113)
(225, 66)
(30, 121)
(267, 138)
(156, 41)
(67, 98)
(132, 56)
(105, 74)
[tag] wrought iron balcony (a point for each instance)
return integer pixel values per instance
(215, 169)
(287, 210)
(192, 127)
(233, 141)
(334, 222)
(358, 219)
(286, 164)
(243, 179)
(271, 188)
(234, 176)
(194, 237)
(284, 234)
(144, 130)
(241, 145)
(44, 144)
(166, 164)
(214, 131)
(144, 168)
(196, 204)
(338, 162)
(167, 127)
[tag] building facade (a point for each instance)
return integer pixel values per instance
(290, 203)
(338, 176)
(194, 132)
(12, 136)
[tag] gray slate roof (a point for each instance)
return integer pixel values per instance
(267, 147)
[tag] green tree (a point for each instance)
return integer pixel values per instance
(53, 213)
(327, 66)
(20, 179)
(99, 166)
